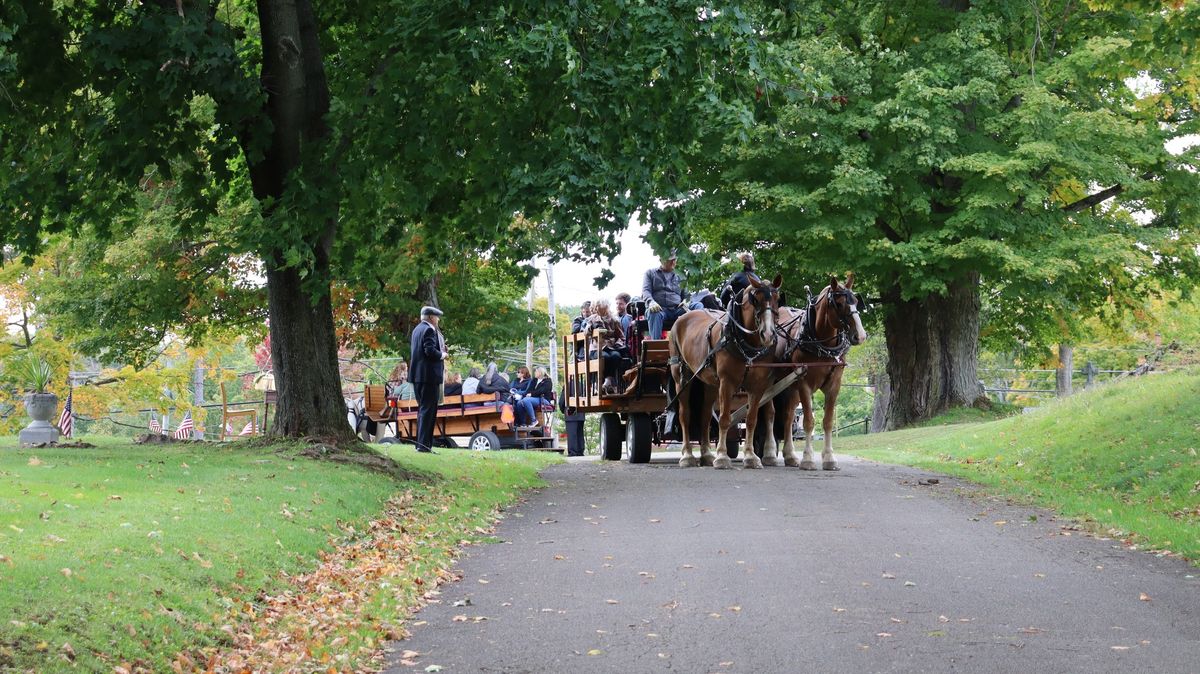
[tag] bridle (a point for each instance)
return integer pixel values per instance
(845, 337)
(736, 333)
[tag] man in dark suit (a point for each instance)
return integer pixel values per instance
(427, 367)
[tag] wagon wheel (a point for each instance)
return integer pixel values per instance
(484, 441)
(611, 435)
(637, 436)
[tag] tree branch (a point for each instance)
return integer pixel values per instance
(891, 234)
(1101, 196)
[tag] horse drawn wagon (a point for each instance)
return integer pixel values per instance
(731, 363)
(485, 420)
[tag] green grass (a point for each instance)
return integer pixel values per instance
(133, 553)
(1121, 457)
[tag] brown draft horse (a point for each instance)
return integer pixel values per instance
(715, 349)
(818, 337)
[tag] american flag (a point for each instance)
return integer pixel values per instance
(66, 421)
(155, 427)
(248, 429)
(185, 428)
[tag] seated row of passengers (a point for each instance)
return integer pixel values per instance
(527, 394)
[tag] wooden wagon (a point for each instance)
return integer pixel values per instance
(485, 419)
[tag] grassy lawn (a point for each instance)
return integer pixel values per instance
(1124, 458)
(131, 554)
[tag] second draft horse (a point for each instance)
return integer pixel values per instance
(819, 338)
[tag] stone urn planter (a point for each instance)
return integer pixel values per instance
(40, 407)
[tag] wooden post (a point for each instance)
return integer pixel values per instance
(1062, 377)
(1089, 372)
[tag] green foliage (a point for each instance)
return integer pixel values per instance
(32, 371)
(917, 145)
(1120, 457)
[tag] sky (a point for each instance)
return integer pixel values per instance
(573, 281)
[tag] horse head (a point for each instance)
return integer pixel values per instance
(837, 312)
(759, 305)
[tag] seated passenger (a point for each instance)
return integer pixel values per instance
(493, 381)
(453, 384)
(610, 339)
(663, 292)
(621, 303)
(539, 394)
(470, 385)
(579, 324)
(398, 383)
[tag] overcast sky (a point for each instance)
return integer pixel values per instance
(573, 281)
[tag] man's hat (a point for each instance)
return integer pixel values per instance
(430, 311)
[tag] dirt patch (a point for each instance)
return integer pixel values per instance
(359, 454)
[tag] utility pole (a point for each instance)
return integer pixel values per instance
(198, 398)
(553, 320)
(529, 336)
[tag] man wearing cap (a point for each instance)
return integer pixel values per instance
(663, 292)
(427, 366)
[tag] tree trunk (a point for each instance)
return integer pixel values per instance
(303, 341)
(1066, 364)
(933, 351)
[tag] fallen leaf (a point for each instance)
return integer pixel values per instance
(889, 576)
(1144, 597)
(943, 619)
(883, 635)
(68, 651)
(655, 521)
(410, 655)
(838, 610)
(735, 609)
(1000, 523)
(595, 651)
(559, 557)
(114, 497)
(484, 581)
(66, 572)
(1120, 648)
(34, 461)
(725, 664)
(42, 646)
(459, 619)
(611, 601)
(687, 566)
(433, 668)
(909, 583)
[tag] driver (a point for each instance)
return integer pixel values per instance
(739, 281)
(663, 292)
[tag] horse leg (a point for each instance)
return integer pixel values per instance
(827, 460)
(789, 449)
(749, 458)
(806, 462)
(706, 453)
(724, 399)
(686, 459)
(769, 457)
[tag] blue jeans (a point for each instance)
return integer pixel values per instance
(528, 408)
(657, 319)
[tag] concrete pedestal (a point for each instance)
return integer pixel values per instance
(38, 432)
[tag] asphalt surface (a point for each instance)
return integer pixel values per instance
(654, 568)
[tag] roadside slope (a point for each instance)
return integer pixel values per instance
(1124, 458)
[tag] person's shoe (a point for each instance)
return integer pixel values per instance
(426, 451)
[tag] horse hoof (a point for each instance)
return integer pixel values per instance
(722, 463)
(791, 462)
(830, 465)
(688, 462)
(770, 461)
(808, 465)
(706, 460)
(752, 462)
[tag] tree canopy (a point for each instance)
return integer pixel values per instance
(959, 153)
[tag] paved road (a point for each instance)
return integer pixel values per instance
(619, 568)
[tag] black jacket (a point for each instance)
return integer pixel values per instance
(736, 284)
(425, 364)
(543, 389)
